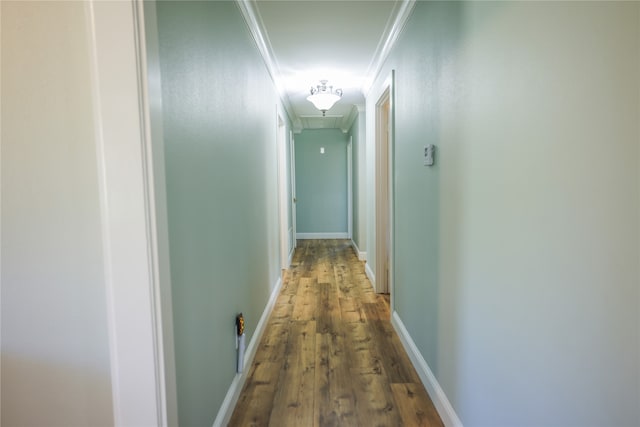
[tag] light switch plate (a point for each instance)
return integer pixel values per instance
(429, 151)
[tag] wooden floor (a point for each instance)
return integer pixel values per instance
(329, 355)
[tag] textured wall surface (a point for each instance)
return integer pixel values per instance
(219, 108)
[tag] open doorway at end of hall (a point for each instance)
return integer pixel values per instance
(322, 184)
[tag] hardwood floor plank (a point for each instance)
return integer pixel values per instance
(341, 391)
(374, 401)
(361, 350)
(322, 414)
(325, 271)
(293, 403)
(283, 308)
(328, 315)
(350, 310)
(290, 287)
(273, 344)
(305, 307)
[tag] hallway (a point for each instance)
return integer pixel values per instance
(329, 355)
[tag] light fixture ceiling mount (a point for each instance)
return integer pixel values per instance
(323, 97)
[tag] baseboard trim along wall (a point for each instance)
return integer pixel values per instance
(370, 275)
(440, 400)
(362, 256)
(306, 236)
(230, 400)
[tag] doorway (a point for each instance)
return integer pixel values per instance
(383, 167)
(293, 242)
(322, 184)
(350, 188)
(286, 244)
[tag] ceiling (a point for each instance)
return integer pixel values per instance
(305, 41)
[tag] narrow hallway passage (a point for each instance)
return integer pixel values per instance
(329, 355)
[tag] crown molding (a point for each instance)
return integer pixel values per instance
(397, 20)
(395, 25)
(258, 33)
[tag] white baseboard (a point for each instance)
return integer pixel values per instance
(322, 235)
(230, 400)
(370, 275)
(362, 256)
(442, 404)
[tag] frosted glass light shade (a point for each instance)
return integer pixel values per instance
(323, 97)
(323, 101)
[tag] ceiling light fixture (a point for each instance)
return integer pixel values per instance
(323, 96)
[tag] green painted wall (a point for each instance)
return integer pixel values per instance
(219, 108)
(321, 181)
(516, 268)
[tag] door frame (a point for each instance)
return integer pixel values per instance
(131, 227)
(292, 175)
(350, 188)
(384, 188)
(283, 199)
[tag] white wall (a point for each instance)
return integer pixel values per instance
(516, 269)
(55, 354)
(548, 280)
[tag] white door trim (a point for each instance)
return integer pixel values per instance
(283, 210)
(150, 69)
(293, 201)
(127, 200)
(350, 188)
(391, 159)
(384, 158)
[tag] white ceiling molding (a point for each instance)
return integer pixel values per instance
(394, 27)
(251, 10)
(321, 122)
(253, 21)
